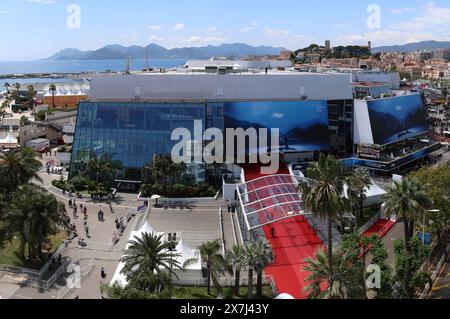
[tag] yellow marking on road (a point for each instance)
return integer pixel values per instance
(440, 273)
(441, 287)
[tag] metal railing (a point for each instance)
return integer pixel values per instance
(369, 224)
(37, 274)
(435, 274)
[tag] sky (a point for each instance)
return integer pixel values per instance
(34, 29)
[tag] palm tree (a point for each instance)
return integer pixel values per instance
(324, 197)
(407, 199)
(31, 93)
(346, 275)
(148, 262)
(251, 261)
(34, 214)
(17, 169)
(102, 170)
(235, 257)
(358, 182)
(7, 86)
(52, 89)
(215, 263)
(265, 256)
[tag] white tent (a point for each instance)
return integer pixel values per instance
(187, 253)
(147, 229)
(373, 194)
(193, 270)
(285, 297)
(9, 141)
(121, 278)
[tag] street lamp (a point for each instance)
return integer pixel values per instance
(423, 227)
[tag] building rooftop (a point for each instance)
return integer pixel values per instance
(186, 85)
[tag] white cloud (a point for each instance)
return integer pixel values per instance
(179, 26)
(423, 27)
(400, 11)
(271, 32)
(430, 16)
(249, 28)
(200, 40)
(155, 38)
(154, 27)
(390, 37)
(42, 1)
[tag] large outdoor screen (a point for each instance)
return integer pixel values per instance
(395, 119)
(303, 125)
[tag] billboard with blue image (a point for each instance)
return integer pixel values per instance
(303, 125)
(396, 119)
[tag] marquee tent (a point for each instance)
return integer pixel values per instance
(373, 194)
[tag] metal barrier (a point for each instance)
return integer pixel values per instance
(30, 272)
(369, 224)
(441, 262)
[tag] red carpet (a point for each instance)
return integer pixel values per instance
(381, 228)
(294, 241)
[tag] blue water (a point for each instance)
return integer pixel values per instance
(45, 66)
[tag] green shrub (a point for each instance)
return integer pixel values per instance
(62, 185)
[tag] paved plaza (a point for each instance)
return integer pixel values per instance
(196, 222)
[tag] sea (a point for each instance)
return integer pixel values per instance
(78, 66)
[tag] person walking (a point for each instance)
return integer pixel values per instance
(103, 273)
(86, 228)
(272, 232)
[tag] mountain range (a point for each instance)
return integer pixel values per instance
(154, 51)
(412, 47)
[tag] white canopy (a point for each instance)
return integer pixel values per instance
(187, 253)
(9, 140)
(147, 228)
(182, 249)
(373, 193)
(285, 297)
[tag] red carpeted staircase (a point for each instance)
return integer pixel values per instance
(380, 228)
(294, 241)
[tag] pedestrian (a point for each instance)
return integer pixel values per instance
(87, 231)
(272, 232)
(85, 223)
(103, 273)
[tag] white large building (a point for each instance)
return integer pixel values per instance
(186, 86)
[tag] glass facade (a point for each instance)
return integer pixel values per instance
(134, 132)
